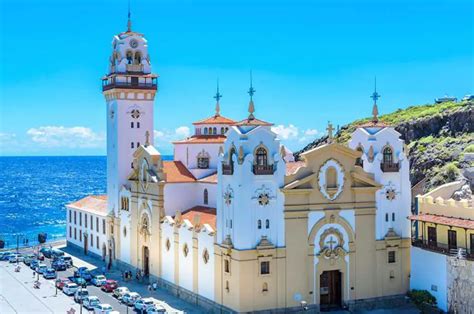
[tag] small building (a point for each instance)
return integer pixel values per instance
(446, 98)
(442, 256)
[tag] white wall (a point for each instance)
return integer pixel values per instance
(206, 271)
(186, 262)
(167, 256)
(183, 196)
(429, 270)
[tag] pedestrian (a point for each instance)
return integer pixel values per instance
(149, 288)
(154, 286)
(34, 274)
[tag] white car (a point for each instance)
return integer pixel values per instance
(143, 304)
(129, 298)
(156, 309)
(99, 280)
(70, 288)
(41, 268)
(120, 291)
(80, 294)
(90, 302)
(103, 309)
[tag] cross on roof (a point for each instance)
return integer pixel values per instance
(251, 89)
(218, 95)
(330, 129)
(375, 96)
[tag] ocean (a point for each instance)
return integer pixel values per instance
(35, 190)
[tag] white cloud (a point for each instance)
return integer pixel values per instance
(164, 138)
(311, 132)
(72, 137)
(286, 132)
(183, 131)
(7, 137)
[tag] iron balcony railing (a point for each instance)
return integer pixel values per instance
(390, 166)
(263, 169)
(112, 83)
(441, 248)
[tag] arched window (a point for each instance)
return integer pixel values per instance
(331, 177)
(267, 224)
(261, 157)
(387, 155)
(222, 130)
(259, 224)
(214, 131)
(206, 197)
(138, 57)
(265, 287)
(129, 57)
(205, 131)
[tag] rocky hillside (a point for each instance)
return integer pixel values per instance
(440, 139)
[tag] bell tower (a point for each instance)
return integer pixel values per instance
(129, 89)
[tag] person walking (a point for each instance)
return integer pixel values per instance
(149, 288)
(154, 286)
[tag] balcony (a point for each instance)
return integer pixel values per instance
(441, 248)
(227, 169)
(150, 83)
(390, 166)
(263, 169)
(137, 68)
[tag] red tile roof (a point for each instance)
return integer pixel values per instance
(208, 215)
(291, 167)
(216, 119)
(443, 220)
(210, 178)
(176, 172)
(202, 139)
(96, 204)
(254, 121)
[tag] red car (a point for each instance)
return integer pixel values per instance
(40, 256)
(109, 285)
(60, 282)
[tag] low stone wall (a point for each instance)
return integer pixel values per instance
(460, 285)
(388, 302)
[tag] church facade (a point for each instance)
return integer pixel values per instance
(233, 221)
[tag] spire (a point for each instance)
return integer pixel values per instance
(251, 93)
(129, 23)
(217, 97)
(375, 96)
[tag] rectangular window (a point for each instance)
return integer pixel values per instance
(432, 237)
(85, 220)
(132, 145)
(92, 241)
(138, 144)
(80, 219)
(70, 216)
(75, 234)
(227, 266)
(97, 224)
(131, 165)
(265, 268)
(70, 232)
(391, 257)
(131, 125)
(138, 125)
(103, 226)
(92, 220)
(393, 216)
(452, 240)
(97, 242)
(472, 243)
(80, 235)
(75, 221)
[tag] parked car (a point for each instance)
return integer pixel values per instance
(98, 280)
(84, 273)
(90, 302)
(81, 282)
(40, 256)
(67, 260)
(34, 264)
(70, 288)
(41, 268)
(80, 294)
(28, 259)
(47, 252)
(49, 273)
(59, 265)
(60, 282)
(13, 258)
(103, 309)
(129, 298)
(5, 256)
(109, 285)
(120, 291)
(157, 308)
(143, 304)
(56, 253)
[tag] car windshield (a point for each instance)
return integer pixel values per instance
(148, 301)
(83, 292)
(106, 307)
(72, 286)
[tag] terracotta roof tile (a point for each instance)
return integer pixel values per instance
(291, 167)
(443, 220)
(216, 119)
(202, 139)
(254, 122)
(212, 178)
(176, 172)
(208, 215)
(96, 204)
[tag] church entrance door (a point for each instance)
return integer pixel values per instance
(330, 289)
(146, 261)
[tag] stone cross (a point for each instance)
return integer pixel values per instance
(331, 242)
(330, 129)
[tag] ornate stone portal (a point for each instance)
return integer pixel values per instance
(331, 243)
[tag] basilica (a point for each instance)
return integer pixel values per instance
(233, 222)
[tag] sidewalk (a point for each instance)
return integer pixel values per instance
(95, 265)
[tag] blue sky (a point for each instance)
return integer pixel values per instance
(312, 61)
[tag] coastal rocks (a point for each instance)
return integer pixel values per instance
(464, 193)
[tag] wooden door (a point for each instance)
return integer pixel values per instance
(432, 237)
(330, 289)
(452, 240)
(146, 258)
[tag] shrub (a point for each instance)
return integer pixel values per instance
(469, 149)
(420, 297)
